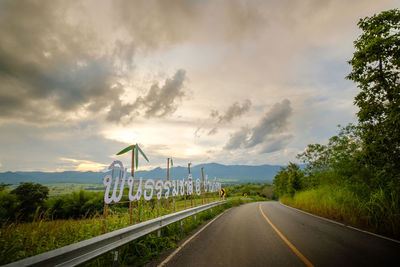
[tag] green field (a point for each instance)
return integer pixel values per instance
(61, 189)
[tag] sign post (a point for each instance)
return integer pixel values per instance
(202, 176)
(135, 156)
(222, 193)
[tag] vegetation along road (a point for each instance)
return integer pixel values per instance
(271, 234)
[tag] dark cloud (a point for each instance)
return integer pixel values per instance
(269, 134)
(158, 102)
(274, 122)
(50, 66)
(234, 111)
(237, 139)
(275, 143)
(53, 69)
(162, 101)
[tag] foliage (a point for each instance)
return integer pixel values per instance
(376, 64)
(76, 205)
(3, 186)
(289, 180)
(8, 205)
(30, 196)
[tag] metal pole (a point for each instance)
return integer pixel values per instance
(133, 161)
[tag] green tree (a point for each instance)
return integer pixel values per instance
(376, 64)
(4, 186)
(30, 196)
(280, 181)
(76, 205)
(288, 180)
(8, 206)
(339, 157)
(294, 178)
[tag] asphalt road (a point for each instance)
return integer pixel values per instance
(242, 236)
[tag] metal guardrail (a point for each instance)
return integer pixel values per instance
(86, 250)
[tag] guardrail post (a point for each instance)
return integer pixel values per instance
(130, 212)
(195, 218)
(158, 207)
(158, 232)
(116, 252)
(104, 218)
(181, 224)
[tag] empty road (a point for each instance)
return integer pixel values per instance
(270, 234)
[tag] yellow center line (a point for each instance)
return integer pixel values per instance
(293, 248)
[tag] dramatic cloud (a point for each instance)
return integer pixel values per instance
(268, 133)
(52, 69)
(233, 111)
(158, 102)
(162, 101)
(238, 139)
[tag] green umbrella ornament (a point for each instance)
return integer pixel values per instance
(135, 156)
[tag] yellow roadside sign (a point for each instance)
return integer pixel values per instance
(245, 194)
(222, 193)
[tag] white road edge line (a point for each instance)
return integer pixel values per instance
(341, 224)
(187, 241)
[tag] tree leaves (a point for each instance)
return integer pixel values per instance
(376, 64)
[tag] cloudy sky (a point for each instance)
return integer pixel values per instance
(233, 82)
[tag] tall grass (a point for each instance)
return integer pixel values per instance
(377, 213)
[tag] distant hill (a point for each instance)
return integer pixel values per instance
(235, 173)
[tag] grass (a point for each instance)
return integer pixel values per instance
(18, 241)
(379, 213)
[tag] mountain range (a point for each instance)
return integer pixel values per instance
(229, 173)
